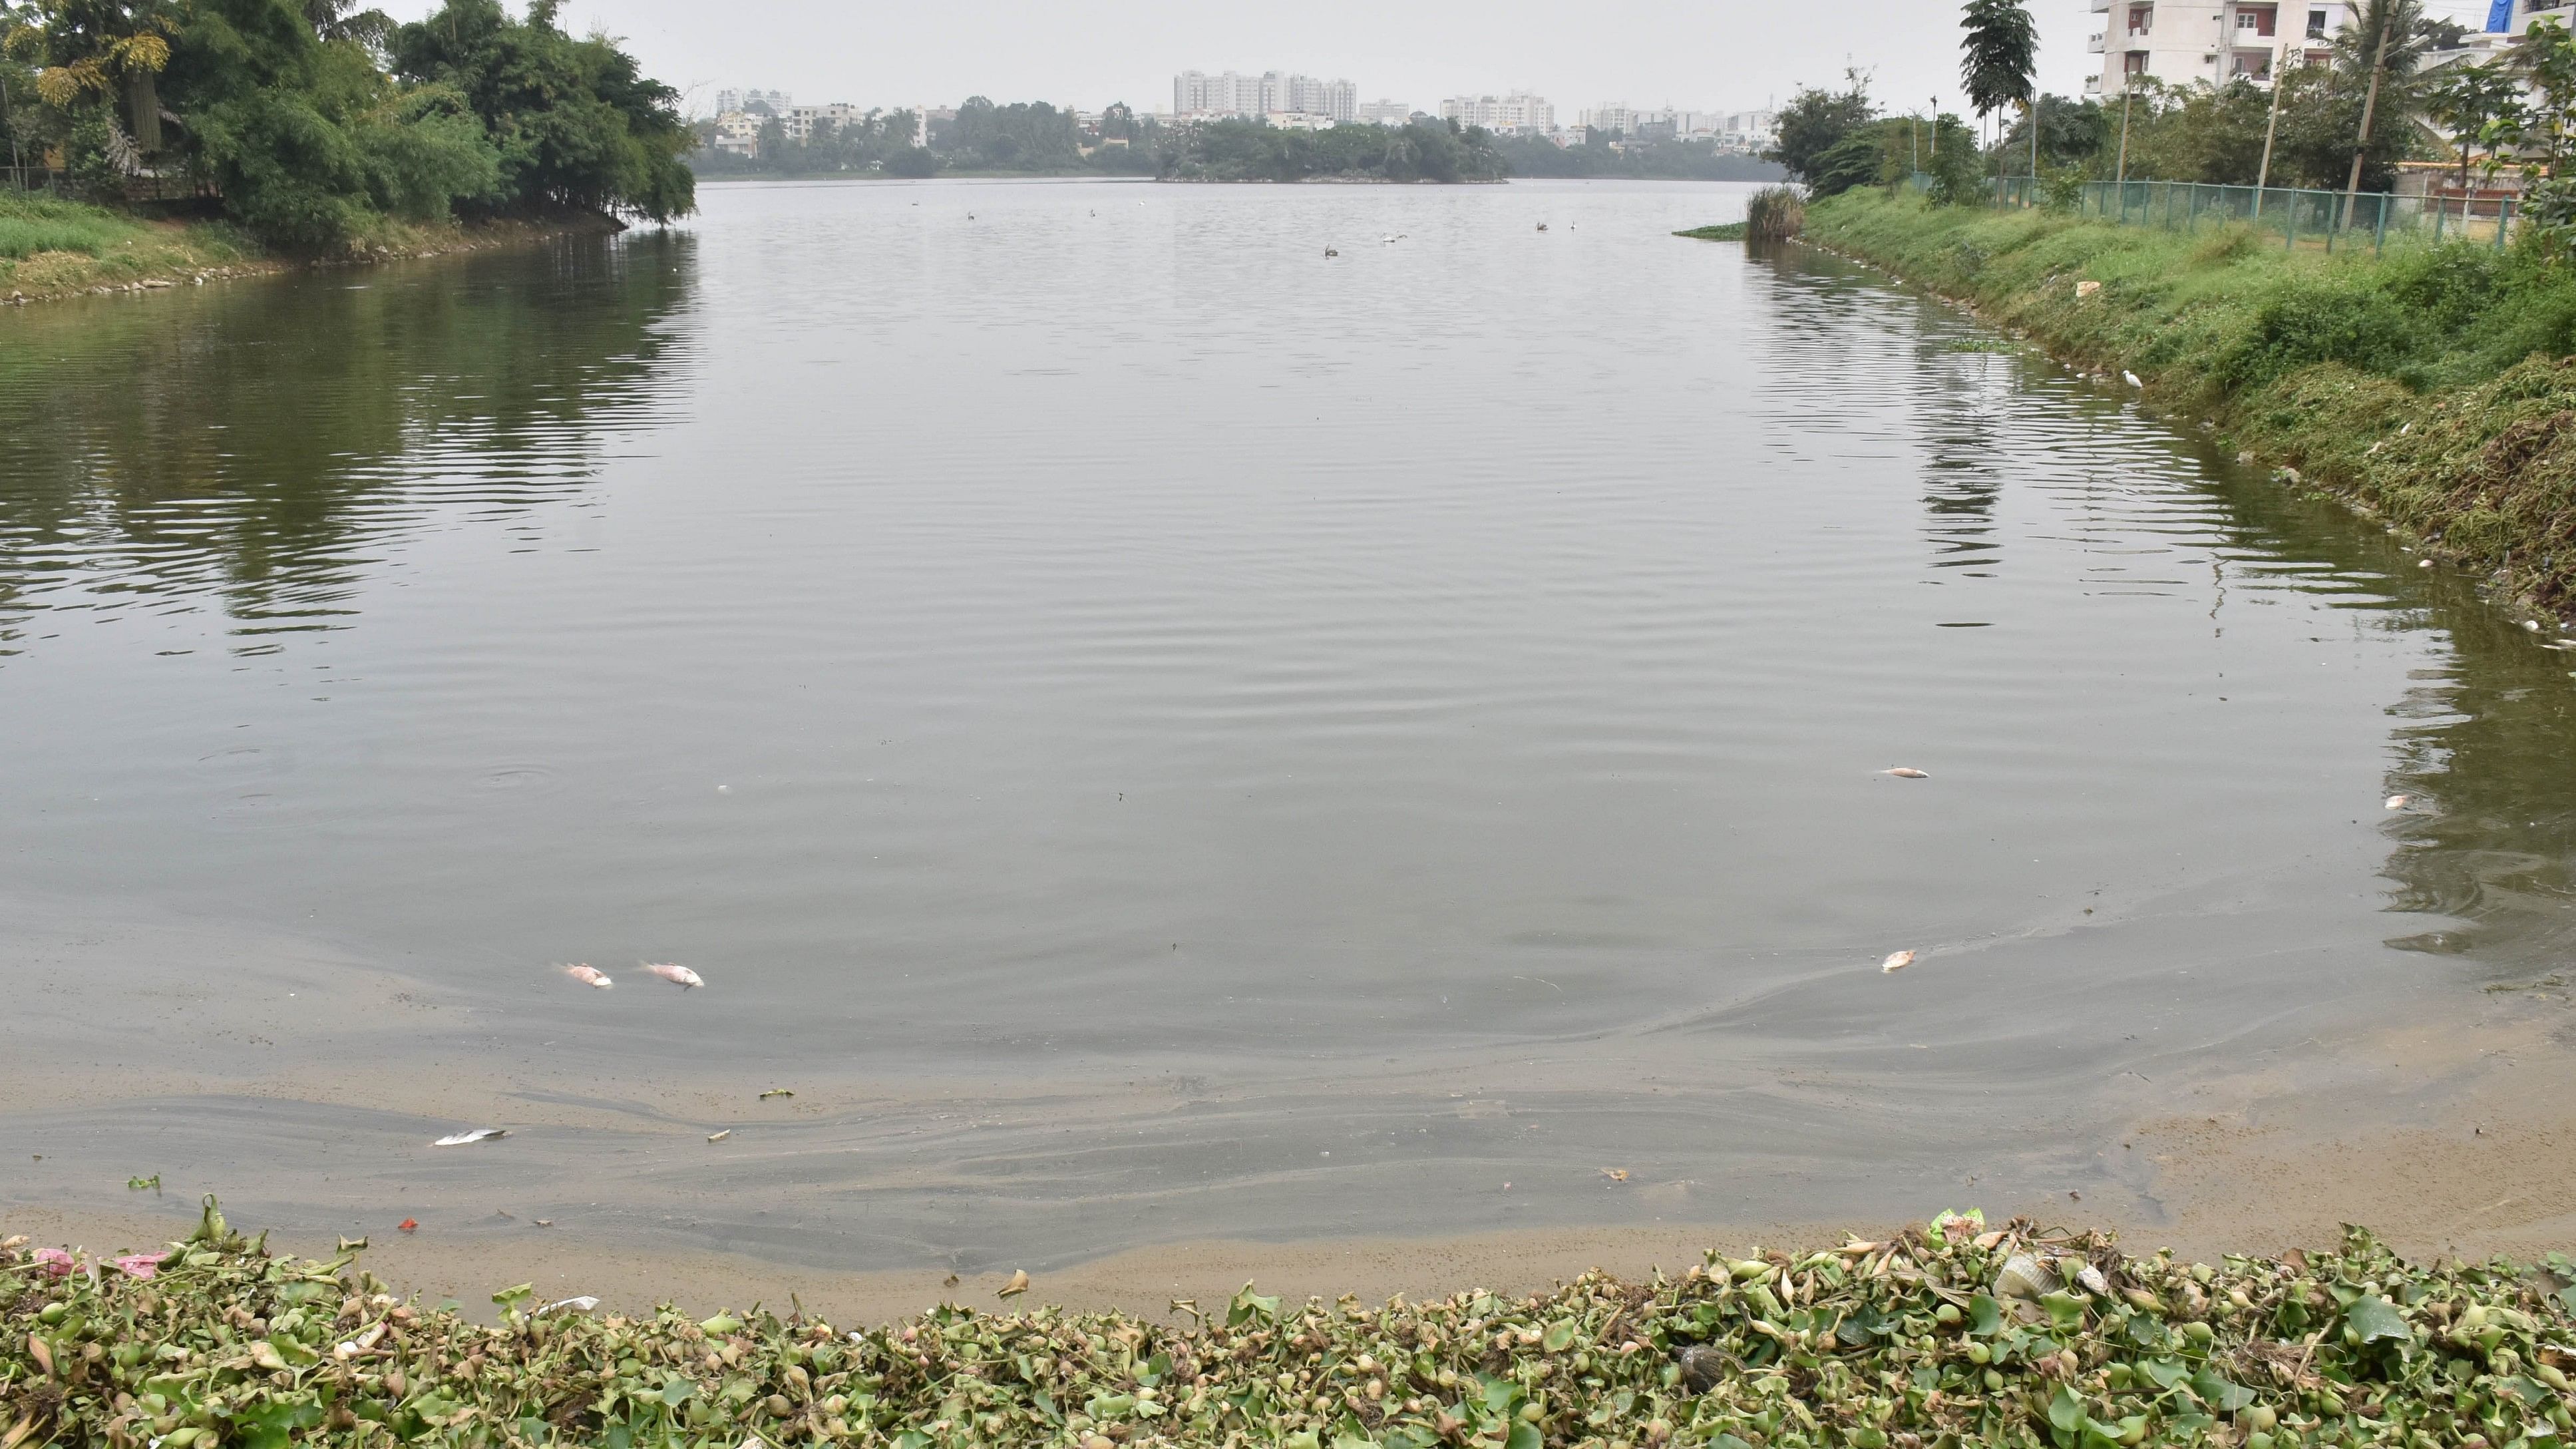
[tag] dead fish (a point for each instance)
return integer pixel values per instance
(1615, 1174)
(1897, 962)
(679, 976)
(468, 1139)
(589, 976)
(719, 1137)
(2398, 802)
(1903, 772)
(1018, 1285)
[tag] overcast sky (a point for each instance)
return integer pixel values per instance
(1715, 54)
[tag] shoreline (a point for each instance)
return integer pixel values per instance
(188, 260)
(2425, 466)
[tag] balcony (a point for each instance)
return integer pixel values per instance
(2092, 85)
(2095, 44)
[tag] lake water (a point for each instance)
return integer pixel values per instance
(1155, 732)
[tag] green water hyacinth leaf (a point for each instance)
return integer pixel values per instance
(2221, 1393)
(1985, 1316)
(1560, 1336)
(1525, 1436)
(2377, 1320)
(2065, 1410)
(2065, 1311)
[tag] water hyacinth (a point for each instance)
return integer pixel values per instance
(1923, 1340)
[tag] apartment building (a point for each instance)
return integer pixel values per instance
(1385, 112)
(2179, 42)
(775, 102)
(1196, 94)
(1519, 111)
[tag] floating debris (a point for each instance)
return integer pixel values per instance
(408, 1225)
(1615, 1174)
(139, 1184)
(679, 976)
(1018, 1285)
(719, 1137)
(468, 1139)
(582, 1304)
(589, 976)
(1897, 962)
(776, 1092)
(1904, 772)
(2399, 802)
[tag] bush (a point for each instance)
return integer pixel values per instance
(2308, 322)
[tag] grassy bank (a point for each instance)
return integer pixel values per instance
(54, 248)
(1950, 1335)
(2431, 387)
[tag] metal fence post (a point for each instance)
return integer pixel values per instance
(2439, 213)
(2504, 220)
(2379, 244)
(2290, 229)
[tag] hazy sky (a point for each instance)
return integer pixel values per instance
(1719, 54)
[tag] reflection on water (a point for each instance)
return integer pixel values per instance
(261, 447)
(1307, 743)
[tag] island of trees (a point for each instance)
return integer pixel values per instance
(310, 124)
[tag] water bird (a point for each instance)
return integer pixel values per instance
(2132, 379)
(1542, 226)
(1896, 962)
(679, 976)
(589, 976)
(1904, 772)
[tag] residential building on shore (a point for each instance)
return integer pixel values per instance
(1199, 95)
(774, 102)
(1386, 113)
(2178, 42)
(1519, 111)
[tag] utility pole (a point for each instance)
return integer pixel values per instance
(1936, 129)
(2128, 95)
(2271, 128)
(2033, 198)
(2369, 108)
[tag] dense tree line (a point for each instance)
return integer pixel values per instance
(306, 121)
(1675, 160)
(1420, 150)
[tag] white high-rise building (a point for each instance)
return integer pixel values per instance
(1519, 111)
(2182, 41)
(1272, 93)
(732, 100)
(1385, 113)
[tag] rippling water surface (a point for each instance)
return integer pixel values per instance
(1161, 732)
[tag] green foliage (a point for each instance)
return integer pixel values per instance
(36, 223)
(2340, 318)
(1775, 213)
(1999, 54)
(1865, 1346)
(1678, 160)
(1814, 124)
(576, 124)
(1424, 150)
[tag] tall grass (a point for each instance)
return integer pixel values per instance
(31, 223)
(1776, 213)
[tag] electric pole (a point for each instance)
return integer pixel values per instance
(2369, 109)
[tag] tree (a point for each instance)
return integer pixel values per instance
(1815, 121)
(2546, 58)
(2468, 99)
(1998, 58)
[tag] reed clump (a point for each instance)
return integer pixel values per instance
(1776, 213)
(1947, 1335)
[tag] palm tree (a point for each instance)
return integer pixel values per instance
(1997, 62)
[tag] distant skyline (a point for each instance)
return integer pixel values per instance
(1733, 54)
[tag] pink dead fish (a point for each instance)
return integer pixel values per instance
(1905, 773)
(679, 976)
(56, 1262)
(589, 976)
(140, 1265)
(1897, 962)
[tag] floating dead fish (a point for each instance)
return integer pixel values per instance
(1615, 1174)
(776, 1092)
(468, 1139)
(679, 976)
(1903, 772)
(589, 976)
(719, 1137)
(1018, 1285)
(2398, 802)
(1897, 962)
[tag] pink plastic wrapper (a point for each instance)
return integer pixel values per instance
(57, 1263)
(140, 1265)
